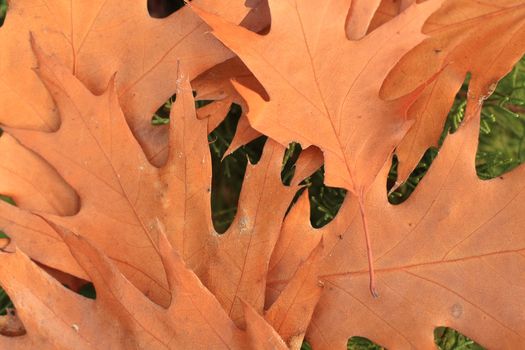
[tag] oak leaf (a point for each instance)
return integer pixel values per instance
(95, 39)
(121, 193)
(144, 236)
(243, 252)
(121, 317)
(215, 86)
(439, 262)
(485, 40)
(120, 196)
(352, 125)
(300, 61)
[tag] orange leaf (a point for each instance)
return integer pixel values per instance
(95, 39)
(121, 316)
(354, 128)
(485, 39)
(439, 261)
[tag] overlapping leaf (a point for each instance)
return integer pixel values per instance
(123, 197)
(451, 255)
(95, 152)
(324, 89)
(484, 39)
(216, 86)
(238, 264)
(120, 191)
(440, 261)
(121, 317)
(95, 39)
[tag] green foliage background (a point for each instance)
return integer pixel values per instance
(501, 148)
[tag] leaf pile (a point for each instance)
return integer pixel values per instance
(104, 196)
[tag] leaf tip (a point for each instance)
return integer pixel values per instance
(36, 48)
(112, 82)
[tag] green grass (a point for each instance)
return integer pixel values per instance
(3, 10)
(502, 133)
(501, 149)
(5, 302)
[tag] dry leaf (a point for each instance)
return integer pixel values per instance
(291, 313)
(121, 317)
(121, 193)
(95, 39)
(465, 36)
(216, 85)
(91, 206)
(439, 262)
(355, 129)
(243, 252)
(119, 196)
(300, 61)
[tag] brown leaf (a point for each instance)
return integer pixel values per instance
(238, 263)
(25, 186)
(95, 39)
(493, 31)
(262, 335)
(297, 239)
(34, 185)
(120, 193)
(291, 313)
(438, 261)
(121, 317)
(351, 124)
(40, 242)
(93, 207)
(216, 85)
(304, 106)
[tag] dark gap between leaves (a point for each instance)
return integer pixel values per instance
(163, 8)
(3, 11)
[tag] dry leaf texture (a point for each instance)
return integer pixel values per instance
(102, 196)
